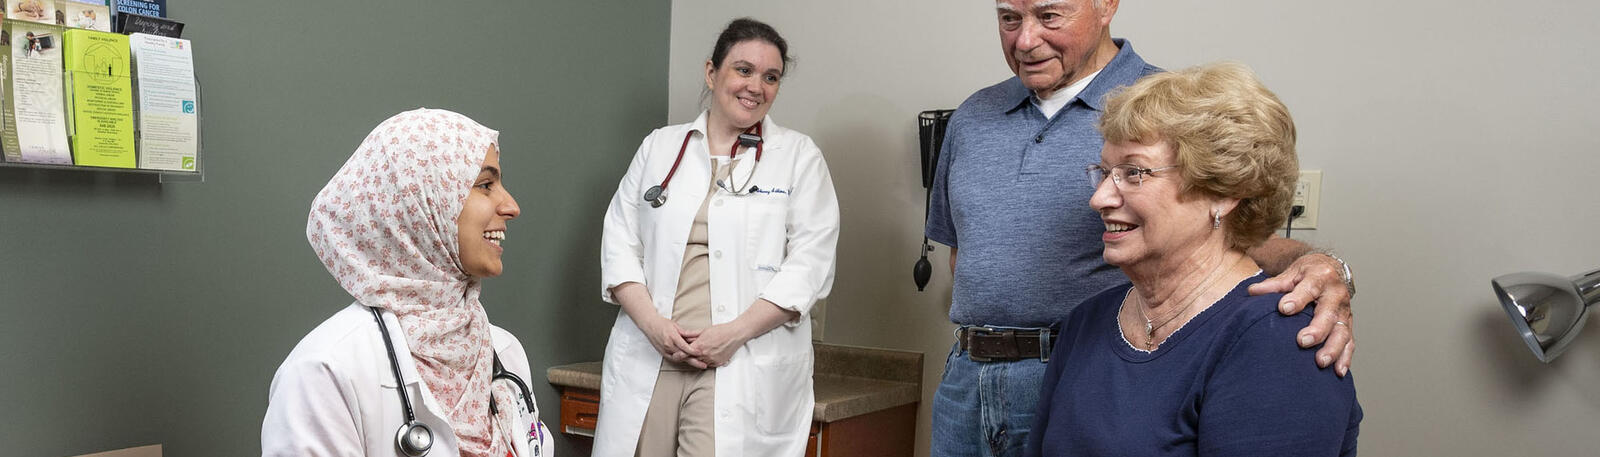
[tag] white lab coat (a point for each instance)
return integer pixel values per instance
(335, 394)
(775, 243)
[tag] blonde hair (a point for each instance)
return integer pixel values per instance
(1233, 138)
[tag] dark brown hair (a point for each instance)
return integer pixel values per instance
(745, 29)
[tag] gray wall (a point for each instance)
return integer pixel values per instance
(137, 313)
(1456, 141)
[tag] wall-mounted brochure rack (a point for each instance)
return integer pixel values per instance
(103, 102)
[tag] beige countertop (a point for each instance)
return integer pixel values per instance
(849, 381)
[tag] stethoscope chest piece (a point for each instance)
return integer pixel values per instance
(656, 196)
(414, 439)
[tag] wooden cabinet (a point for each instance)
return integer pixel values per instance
(866, 401)
(887, 433)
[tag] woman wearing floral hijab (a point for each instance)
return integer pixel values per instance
(409, 226)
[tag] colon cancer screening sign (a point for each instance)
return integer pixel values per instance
(156, 8)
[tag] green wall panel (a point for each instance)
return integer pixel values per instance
(134, 312)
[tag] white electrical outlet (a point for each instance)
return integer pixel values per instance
(1307, 192)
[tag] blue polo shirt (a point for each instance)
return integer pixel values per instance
(1011, 194)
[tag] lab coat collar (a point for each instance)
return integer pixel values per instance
(768, 129)
(402, 353)
(699, 124)
(423, 404)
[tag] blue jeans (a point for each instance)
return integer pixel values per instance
(984, 409)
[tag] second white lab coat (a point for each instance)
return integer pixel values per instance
(776, 243)
(335, 394)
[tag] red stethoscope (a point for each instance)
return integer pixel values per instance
(657, 195)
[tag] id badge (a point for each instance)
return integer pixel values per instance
(535, 429)
(536, 438)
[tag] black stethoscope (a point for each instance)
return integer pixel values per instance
(414, 438)
(657, 195)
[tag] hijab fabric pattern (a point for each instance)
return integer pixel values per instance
(385, 227)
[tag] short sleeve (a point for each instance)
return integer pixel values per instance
(1267, 397)
(940, 225)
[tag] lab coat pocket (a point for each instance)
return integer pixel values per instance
(781, 391)
(768, 212)
(763, 271)
(767, 238)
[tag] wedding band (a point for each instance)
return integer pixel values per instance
(1339, 323)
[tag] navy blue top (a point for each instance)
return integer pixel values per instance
(1230, 382)
(1011, 193)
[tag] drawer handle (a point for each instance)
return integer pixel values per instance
(580, 431)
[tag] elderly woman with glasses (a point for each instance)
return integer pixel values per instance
(1183, 361)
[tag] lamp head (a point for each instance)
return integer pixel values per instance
(1547, 310)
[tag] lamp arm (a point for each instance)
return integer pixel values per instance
(1588, 285)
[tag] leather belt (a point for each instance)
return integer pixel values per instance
(1000, 344)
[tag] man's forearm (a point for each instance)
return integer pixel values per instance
(1275, 255)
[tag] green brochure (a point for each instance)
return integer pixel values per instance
(100, 97)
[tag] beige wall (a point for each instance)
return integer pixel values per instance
(1456, 139)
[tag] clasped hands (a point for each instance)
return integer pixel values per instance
(711, 347)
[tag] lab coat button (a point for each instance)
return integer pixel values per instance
(722, 308)
(717, 254)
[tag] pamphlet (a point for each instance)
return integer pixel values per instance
(86, 14)
(129, 23)
(100, 98)
(168, 120)
(35, 124)
(41, 11)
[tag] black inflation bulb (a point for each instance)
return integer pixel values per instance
(921, 272)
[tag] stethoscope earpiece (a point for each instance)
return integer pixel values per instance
(414, 439)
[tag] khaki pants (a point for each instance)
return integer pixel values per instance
(679, 422)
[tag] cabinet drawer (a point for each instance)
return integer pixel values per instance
(579, 410)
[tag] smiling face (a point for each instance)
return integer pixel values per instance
(1153, 223)
(1050, 44)
(744, 86)
(481, 226)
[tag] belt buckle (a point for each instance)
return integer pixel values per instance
(986, 331)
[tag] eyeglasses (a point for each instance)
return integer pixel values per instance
(1120, 174)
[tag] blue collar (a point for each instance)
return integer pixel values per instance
(1126, 66)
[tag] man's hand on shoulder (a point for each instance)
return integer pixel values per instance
(1322, 278)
